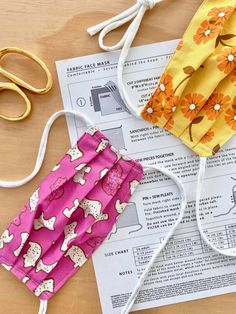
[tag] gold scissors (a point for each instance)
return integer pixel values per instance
(17, 81)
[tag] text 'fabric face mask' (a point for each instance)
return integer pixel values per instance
(195, 98)
(72, 211)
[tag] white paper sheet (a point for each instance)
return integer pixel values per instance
(187, 269)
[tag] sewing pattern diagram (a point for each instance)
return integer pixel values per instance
(129, 218)
(233, 197)
(116, 136)
(107, 99)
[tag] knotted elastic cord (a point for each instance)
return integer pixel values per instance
(42, 147)
(183, 198)
(200, 179)
(136, 12)
(43, 307)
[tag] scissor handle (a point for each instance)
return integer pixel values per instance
(15, 88)
(19, 81)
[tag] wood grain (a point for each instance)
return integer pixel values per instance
(54, 30)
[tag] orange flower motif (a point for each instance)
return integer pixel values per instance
(207, 137)
(169, 125)
(191, 105)
(216, 104)
(170, 107)
(227, 60)
(230, 116)
(233, 76)
(220, 15)
(152, 111)
(164, 89)
(206, 32)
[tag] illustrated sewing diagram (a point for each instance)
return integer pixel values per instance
(233, 197)
(107, 100)
(116, 136)
(129, 218)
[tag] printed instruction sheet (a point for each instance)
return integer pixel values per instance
(187, 268)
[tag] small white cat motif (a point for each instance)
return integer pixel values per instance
(41, 222)
(69, 232)
(103, 173)
(32, 255)
(34, 200)
(79, 177)
(80, 166)
(91, 207)
(25, 279)
(46, 268)
(46, 285)
(101, 217)
(120, 206)
(6, 237)
(76, 255)
(74, 153)
(91, 131)
(24, 237)
(102, 145)
(69, 211)
(133, 184)
(55, 168)
(116, 151)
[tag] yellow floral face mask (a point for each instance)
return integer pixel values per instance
(196, 96)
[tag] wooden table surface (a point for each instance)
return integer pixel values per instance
(55, 30)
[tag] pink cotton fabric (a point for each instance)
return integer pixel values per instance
(69, 215)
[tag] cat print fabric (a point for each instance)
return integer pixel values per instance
(69, 215)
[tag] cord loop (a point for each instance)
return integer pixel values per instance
(149, 4)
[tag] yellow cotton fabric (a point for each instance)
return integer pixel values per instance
(196, 96)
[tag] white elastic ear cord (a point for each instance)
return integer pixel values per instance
(42, 147)
(43, 307)
(201, 173)
(136, 12)
(183, 198)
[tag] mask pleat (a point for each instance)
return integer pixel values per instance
(199, 96)
(212, 116)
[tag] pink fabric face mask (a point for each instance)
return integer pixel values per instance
(70, 214)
